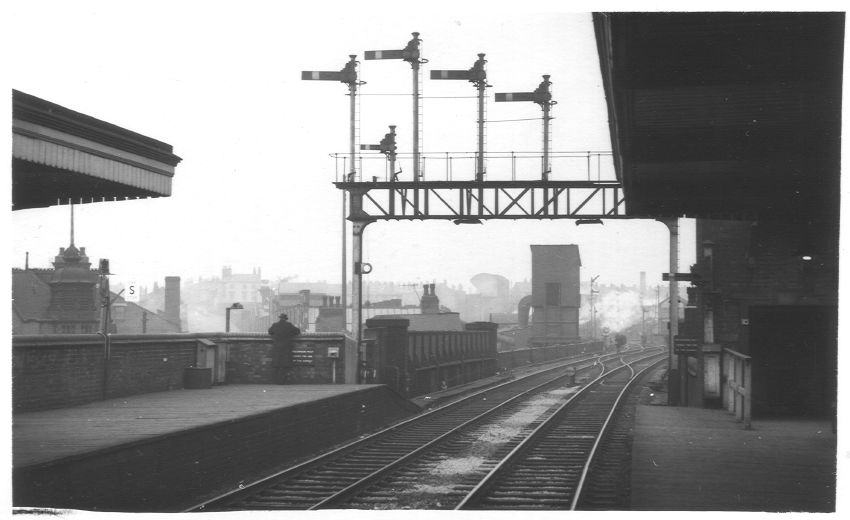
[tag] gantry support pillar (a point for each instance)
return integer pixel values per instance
(359, 221)
(674, 360)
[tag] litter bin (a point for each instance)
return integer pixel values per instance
(196, 377)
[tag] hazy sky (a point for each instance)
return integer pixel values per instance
(221, 83)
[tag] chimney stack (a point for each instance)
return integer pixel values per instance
(429, 304)
(172, 301)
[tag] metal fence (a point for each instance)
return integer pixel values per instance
(459, 166)
(737, 397)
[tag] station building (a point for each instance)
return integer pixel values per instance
(61, 156)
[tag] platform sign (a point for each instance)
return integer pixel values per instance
(303, 355)
(685, 345)
(681, 277)
(131, 291)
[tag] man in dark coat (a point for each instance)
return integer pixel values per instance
(282, 334)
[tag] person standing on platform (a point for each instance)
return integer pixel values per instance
(282, 334)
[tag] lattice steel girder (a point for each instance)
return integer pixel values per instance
(488, 200)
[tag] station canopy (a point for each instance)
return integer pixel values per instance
(720, 115)
(59, 154)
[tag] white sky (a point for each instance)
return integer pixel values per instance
(222, 85)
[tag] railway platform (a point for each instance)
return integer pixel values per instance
(166, 451)
(695, 459)
(152, 451)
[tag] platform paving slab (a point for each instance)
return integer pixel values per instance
(164, 452)
(693, 459)
(39, 437)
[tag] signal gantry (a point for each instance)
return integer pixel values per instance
(459, 201)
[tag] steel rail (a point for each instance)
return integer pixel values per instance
(483, 486)
(270, 480)
(338, 501)
(347, 492)
(580, 487)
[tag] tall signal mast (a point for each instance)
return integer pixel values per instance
(410, 54)
(347, 75)
(388, 148)
(543, 97)
(477, 75)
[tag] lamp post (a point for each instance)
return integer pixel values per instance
(592, 309)
(106, 302)
(237, 306)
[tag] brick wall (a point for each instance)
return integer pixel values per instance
(249, 361)
(138, 366)
(765, 296)
(321, 370)
(55, 371)
(56, 375)
(760, 264)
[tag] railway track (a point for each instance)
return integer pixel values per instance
(368, 473)
(549, 469)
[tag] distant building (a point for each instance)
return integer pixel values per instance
(431, 316)
(444, 321)
(554, 293)
(67, 300)
(60, 155)
(242, 288)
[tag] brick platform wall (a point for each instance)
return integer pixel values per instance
(56, 371)
(249, 361)
(52, 376)
(138, 367)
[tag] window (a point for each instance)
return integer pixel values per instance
(553, 294)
